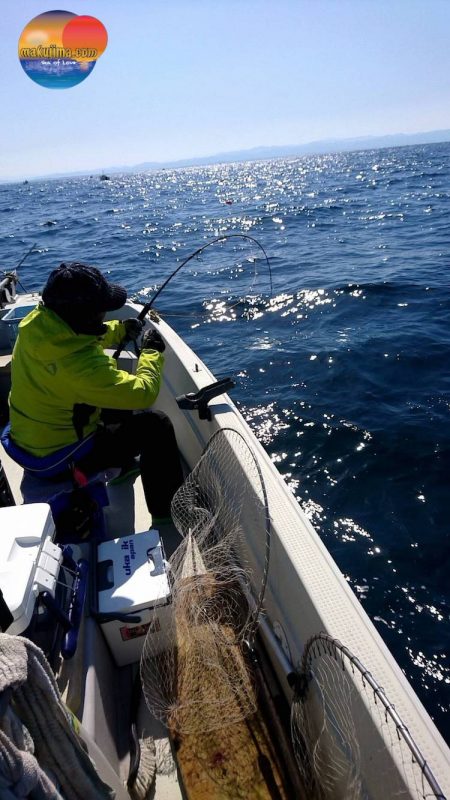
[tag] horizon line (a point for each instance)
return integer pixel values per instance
(242, 155)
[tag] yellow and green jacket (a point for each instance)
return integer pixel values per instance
(54, 369)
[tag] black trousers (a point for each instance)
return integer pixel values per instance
(151, 436)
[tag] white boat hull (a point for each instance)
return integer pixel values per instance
(306, 592)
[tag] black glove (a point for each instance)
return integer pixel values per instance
(152, 340)
(133, 328)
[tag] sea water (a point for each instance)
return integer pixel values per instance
(343, 375)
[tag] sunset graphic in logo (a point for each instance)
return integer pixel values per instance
(59, 49)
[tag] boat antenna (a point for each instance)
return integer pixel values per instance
(143, 313)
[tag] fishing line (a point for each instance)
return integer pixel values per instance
(200, 250)
(223, 300)
(146, 308)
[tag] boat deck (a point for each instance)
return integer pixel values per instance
(305, 594)
(98, 692)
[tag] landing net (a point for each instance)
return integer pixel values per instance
(200, 680)
(344, 727)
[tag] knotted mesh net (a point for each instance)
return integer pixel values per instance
(199, 680)
(347, 735)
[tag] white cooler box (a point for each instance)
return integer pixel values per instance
(132, 580)
(29, 561)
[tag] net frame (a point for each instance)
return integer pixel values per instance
(323, 648)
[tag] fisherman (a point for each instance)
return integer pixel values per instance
(61, 379)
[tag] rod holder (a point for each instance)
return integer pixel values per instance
(199, 401)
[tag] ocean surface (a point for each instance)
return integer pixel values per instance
(343, 374)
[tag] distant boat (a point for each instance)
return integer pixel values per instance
(25, 183)
(104, 177)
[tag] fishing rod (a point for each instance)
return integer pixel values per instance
(197, 252)
(13, 273)
(26, 256)
(143, 313)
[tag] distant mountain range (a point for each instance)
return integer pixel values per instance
(257, 153)
(317, 147)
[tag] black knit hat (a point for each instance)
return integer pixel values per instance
(81, 285)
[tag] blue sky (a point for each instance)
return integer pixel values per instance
(184, 78)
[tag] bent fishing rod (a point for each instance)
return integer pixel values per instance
(13, 273)
(146, 308)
